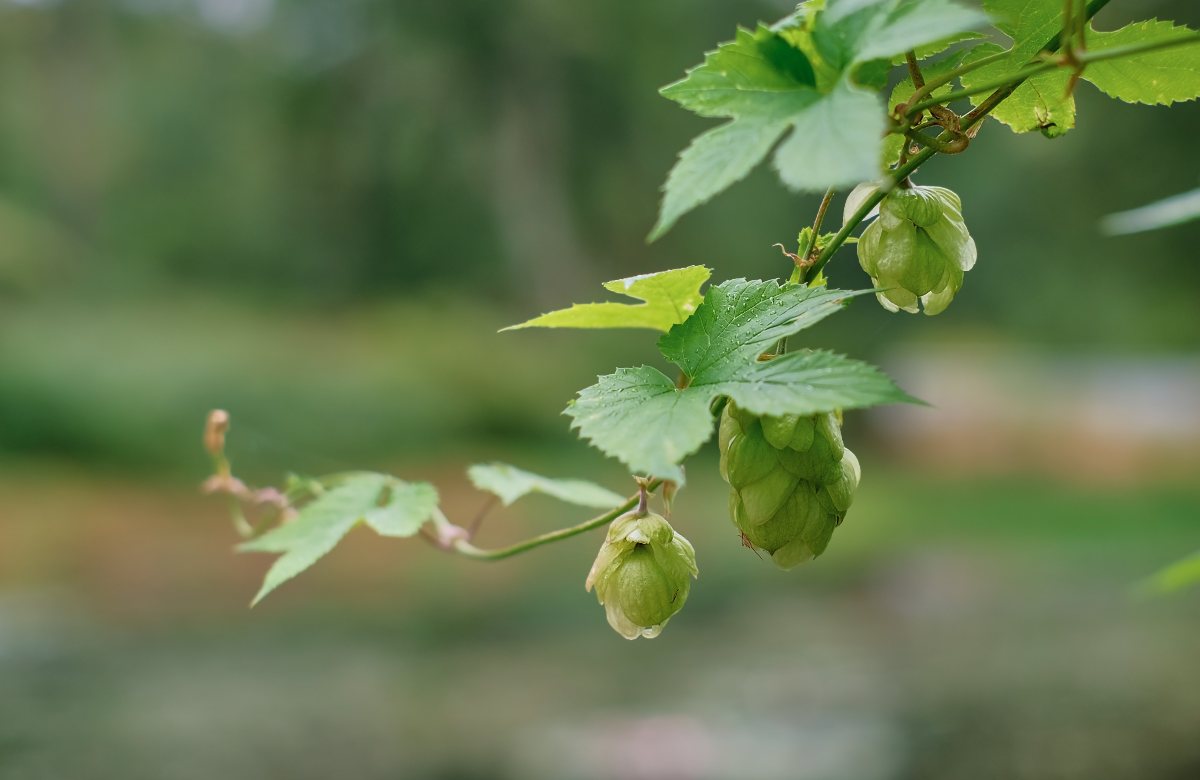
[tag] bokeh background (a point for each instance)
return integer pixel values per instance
(317, 214)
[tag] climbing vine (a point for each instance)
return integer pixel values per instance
(810, 91)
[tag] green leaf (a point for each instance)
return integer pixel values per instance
(1156, 77)
(739, 320)
(641, 417)
(746, 75)
(712, 162)
(511, 483)
(406, 506)
(778, 81)
(758, 80)
(669, 297)
(835, 141)
(937, 47)
(851, 32)
(1029, 23)
(1167, 212)
(810, 382)
(1178, 575)
(638, 416)
(390, 506)
(1040, 103)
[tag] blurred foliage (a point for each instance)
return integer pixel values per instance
(332, 149)
(237, 202)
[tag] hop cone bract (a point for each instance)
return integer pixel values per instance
(642, 574)
(918, 249)
(791, 481)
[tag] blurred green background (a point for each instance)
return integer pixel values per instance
(317, 214)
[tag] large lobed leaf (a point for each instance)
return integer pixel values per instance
(1042, 102)
(809, 382)
(389, 506)
(638, 416)
(739, 320)
(759, 81)
(851, 32)
(804, 83)
(1156, 77)
(649, 423)
(668, 297)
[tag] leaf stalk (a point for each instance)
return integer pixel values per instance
(463, 546)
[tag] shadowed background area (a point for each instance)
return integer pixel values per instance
(317, 214)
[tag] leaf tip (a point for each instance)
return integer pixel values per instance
(262, 594)
(660, 229)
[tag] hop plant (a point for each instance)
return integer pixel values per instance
(918, 249)
(643, 573)
(791, 481)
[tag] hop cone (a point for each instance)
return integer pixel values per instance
(643, 573)
(791, 481)
(918, 249)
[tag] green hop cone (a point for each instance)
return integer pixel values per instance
(918, 250)
(791, 481)
(643, 573)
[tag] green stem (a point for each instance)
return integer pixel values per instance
(464, 547)
(904, 171)
(936, 82)
(955, 145)
(914, 69)
(1084, 58)
(824, 207)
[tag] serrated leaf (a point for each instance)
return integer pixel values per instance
(406, 506)
(834, 141)
(810, 382)
(510, 483)
(1040, 103)
(1155, 77)
(937, 47)
(761, 82)
(641, 417)
(713, 161)
(851, 32)
(1167, 212)
(741, 319)
(668, 297)
(317, 529)
(767, 83)
(1029, 23)
(390, 506)
(638, 416)
(745, 75)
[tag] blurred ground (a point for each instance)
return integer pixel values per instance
(983, 627)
